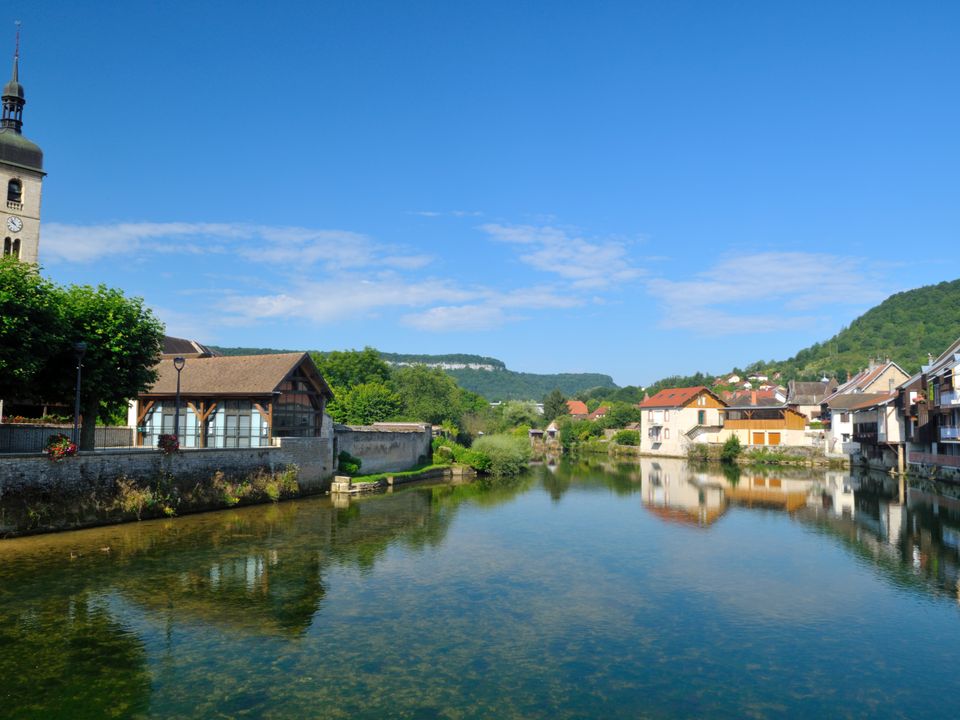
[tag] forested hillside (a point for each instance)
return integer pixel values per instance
(496, 384)
(905, 328)
(510, 385)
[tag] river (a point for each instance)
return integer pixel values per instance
(582, 590)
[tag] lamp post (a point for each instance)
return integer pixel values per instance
(79, 349)
(178, 363)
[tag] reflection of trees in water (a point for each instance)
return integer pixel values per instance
(257, 570)
(621, 477)
(68, 658)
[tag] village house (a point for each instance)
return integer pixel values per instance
(806, 397)
(764, 422)
(577, 409)
(878, 430)
(878, 378)
(930, 405)
(598, 413)
(677, 417)
(237, 401)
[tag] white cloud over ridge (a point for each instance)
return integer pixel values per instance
(765, 292)
(584, 264)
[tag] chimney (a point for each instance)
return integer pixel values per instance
(753, 397)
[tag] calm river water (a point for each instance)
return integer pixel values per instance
(579, 591)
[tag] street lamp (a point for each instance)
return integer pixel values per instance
(79, 349)
(178, 363)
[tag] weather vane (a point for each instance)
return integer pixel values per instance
(16, 51)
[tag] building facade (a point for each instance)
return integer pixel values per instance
(675, 418)
(21, 175)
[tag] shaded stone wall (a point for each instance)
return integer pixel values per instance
(39, 495)
(385, 447)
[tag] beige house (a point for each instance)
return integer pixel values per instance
(675, 418)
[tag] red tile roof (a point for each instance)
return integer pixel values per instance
(577, 407)
(673, 397)
(599, 412)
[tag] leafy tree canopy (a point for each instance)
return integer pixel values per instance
(365, 403)
(346, 368)
(554, 405)
(123, 343)
(31, 327)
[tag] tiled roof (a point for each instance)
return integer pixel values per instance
(674, 397)
(851, 400)
(877, 399)
(232, 375)
(863, 379)
(809, 393)
(599, 412)
(577, 407)
(185, 348)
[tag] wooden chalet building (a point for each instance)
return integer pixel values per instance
(234, 401)
(765, 424)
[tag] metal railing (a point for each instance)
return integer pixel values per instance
(23, 438)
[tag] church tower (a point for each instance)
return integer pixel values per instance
(21, 174)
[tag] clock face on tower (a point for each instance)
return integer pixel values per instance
(14, 224)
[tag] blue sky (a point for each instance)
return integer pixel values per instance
(639, 189)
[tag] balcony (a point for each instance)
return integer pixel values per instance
(950, 433)
(950, 397)
(14, 205)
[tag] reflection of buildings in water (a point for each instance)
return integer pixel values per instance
(673, 493)
(837, 494)
(772, 491)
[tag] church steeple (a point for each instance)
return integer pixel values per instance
(13, 101)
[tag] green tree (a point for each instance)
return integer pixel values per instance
(31, 328)
(428, 394)
(554, 405)
(343, 369)
(514, 413)
(731, 450)
(123, 341)
(365, 403)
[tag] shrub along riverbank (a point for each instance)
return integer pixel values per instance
(500, 455)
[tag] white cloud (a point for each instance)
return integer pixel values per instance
(584, 263)
(281, 245)
(765, 292)
(344, 297)
(446, 318)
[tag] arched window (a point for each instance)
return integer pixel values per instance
(15, 191)
(16, 248)
(7, 246)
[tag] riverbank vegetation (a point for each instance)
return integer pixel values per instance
(498, 455)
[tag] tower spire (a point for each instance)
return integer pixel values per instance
(16, 55)
(12, 99)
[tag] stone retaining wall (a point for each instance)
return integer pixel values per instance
(38, 495)
(385, 447)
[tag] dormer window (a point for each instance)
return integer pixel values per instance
(15, 193)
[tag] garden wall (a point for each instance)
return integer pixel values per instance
(104, 486)
(385, 447)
